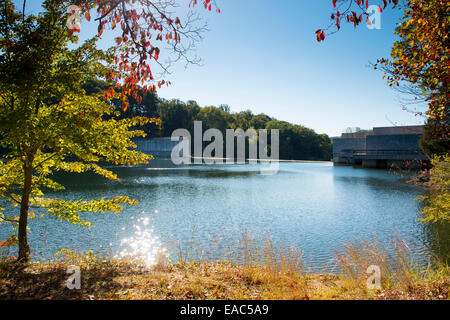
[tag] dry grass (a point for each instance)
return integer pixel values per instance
(404, 275)
(249, 272)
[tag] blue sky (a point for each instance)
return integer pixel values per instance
(262, 55)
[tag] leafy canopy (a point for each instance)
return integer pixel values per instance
(47, 121)
(421, 57)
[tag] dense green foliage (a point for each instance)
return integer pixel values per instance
(437, 202)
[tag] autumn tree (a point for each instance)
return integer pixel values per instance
(142, 28)
(46, 118)
(47, 121)
(421, 58)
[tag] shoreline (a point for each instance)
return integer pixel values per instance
(259, 273)
(131, 280)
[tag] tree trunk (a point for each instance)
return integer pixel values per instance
(24, 248)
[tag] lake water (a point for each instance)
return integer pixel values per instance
(317, 207)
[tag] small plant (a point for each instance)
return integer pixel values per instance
(437, 201)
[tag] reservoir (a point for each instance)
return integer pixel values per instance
(205, 209)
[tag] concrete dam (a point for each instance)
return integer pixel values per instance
(160, 148)
(382, 147)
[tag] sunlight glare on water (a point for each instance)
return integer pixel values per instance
(143, 244)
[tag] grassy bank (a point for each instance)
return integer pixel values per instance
(272, 274)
